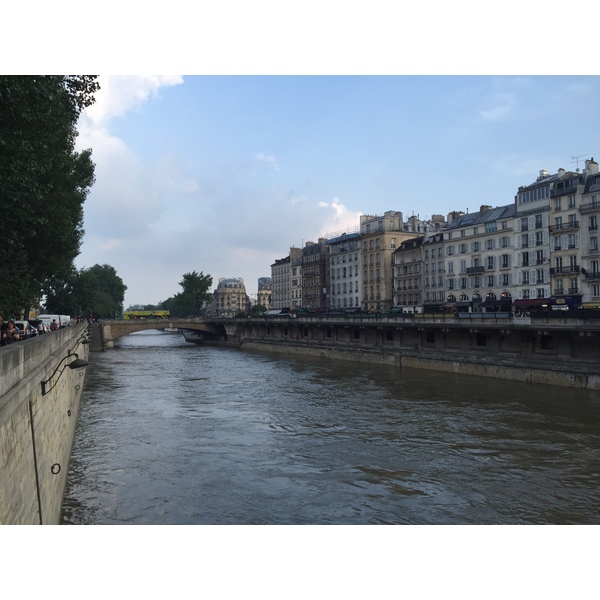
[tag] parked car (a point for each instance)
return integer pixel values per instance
(25, 328)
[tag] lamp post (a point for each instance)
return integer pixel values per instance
(78, 363)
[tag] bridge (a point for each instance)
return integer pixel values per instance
(113, 330)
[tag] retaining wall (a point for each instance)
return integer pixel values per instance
(37, 431)
(582, 376)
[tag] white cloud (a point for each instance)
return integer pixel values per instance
(338, 217)
(121, 94)
(267, 159)
(503, 104)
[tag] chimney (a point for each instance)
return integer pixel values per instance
(591, 166)
(483, 209)
(543, 173)
(561, 172)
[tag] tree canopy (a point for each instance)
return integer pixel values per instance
(43, 181)
(97, 291)
(194, 297)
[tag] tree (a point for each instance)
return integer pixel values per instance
(96, 291)
(43, 181)
(193, 298)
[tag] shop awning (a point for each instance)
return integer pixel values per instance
(532, 302)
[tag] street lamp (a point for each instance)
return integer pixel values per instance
(78, 363)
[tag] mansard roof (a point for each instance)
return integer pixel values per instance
(491, 214)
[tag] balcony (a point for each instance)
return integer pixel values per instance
(563, 191)
(471, 270)
(560, 227)
(593, 276)
(565, 270)
(589, 207)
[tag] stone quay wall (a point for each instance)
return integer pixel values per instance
(547, 351)
(580, 376)
(36, 430)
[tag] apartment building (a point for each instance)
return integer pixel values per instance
(263, 297)
(589, 211)
(479, 258)
(433, 273)
(315, 275)
(281, 279)
(407, 272)
(380, 236)
(344, 271)
(296, 284)
(230, 297)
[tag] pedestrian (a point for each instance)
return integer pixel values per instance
(53, 325)
(11, 333)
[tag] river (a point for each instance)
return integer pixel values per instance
(173, 433)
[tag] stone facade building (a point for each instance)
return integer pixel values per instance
(281, 279)
(315, 275)
(263, 296)
(230, 297)
(344, 271)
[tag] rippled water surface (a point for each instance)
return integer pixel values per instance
(173, 433)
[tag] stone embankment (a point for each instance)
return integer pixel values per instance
(39, 402)
(582, 375)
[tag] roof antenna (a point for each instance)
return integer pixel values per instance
(576, 160)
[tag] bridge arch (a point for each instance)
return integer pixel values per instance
(113, 330)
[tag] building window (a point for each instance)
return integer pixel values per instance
(571, 201)
(525, 277)
(538, 221)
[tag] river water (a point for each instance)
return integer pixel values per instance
(173, 433)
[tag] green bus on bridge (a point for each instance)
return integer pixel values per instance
(146, 314)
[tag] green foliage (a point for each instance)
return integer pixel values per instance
(43, 182)
(194, 297)
(96, 291)
(257, 310)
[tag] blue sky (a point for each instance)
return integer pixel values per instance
(295, 119)
(222, 174)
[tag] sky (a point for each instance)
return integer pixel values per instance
(225, 133)
(222, 174)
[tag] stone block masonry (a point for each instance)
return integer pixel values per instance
(36, 430)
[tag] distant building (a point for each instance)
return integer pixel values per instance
(315, 275)
(344, 271)
(264, 292)
(281, 279)
(380, 236)
(230, 297)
